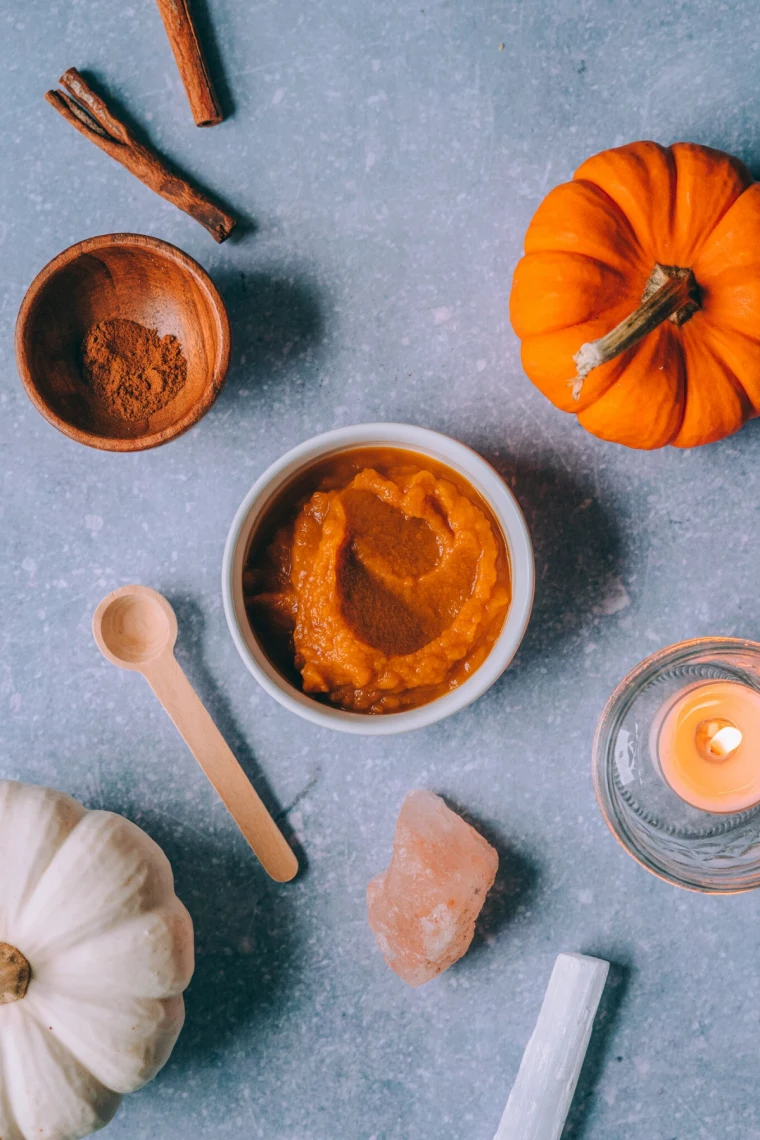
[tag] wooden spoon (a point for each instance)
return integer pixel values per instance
(136, 628)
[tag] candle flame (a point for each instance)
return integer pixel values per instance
(718, 739)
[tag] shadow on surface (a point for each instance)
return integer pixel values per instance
(276, 321)
(244, 935)
(515, 879)
(579, 1118)
(190, 655)
(244, 922)
(209, 41)
(577, 544)
(245, 223)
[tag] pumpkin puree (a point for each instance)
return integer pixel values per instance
(381, 578)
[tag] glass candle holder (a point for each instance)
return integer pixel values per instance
(689, 704)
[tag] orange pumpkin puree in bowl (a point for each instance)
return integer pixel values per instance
(378, 580)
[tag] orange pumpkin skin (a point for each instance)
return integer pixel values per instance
(589, 252)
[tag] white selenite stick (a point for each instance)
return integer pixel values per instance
(540, 1099)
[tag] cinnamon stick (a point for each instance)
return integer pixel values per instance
(671, 293)
(190, 62)
(86, 111)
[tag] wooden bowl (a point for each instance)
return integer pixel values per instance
(132, 277)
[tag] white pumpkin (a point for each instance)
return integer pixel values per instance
(95, 952)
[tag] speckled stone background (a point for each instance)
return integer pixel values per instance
(388, 156)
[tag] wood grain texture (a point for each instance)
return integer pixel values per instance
(135, 628)
(191, 63)
(138, 278)
(91, 116)
(212, 752)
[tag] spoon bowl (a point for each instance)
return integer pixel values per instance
(133, 626)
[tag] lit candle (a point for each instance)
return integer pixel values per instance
(707, 745)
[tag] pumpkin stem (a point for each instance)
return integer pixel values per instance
(671, 293)
(14, 974)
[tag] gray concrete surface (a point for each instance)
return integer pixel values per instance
(389, 156)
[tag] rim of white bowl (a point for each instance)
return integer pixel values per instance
(450, 452)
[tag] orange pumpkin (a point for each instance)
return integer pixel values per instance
(679, 226)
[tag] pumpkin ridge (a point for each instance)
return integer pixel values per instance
(644, 408)
(728, 347)
(734, 243)
(542, 235)
(42, 1021)
(634, 171)
(672, 332)
(6, 1106)
(127, 966)
(109, 842)
(710, 348)
(553, 382)
(714, 282)
(724, 165)
(631, 234)
(568, 290)
(41, 1061)
(29, 810)
(155, 1025)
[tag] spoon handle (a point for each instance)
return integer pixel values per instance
(210, 749)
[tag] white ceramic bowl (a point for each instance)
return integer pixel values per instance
(425, 442)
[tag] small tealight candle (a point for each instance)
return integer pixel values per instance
(707, 745)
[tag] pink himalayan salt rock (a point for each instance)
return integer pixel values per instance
(423, 908)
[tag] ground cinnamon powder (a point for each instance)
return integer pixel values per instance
(132, 370)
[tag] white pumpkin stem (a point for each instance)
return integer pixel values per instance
(671, 293)
(14, 974)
